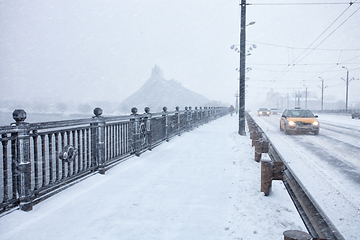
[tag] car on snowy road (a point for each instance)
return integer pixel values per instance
(274, 111)
(299, 121)
(355, 115)
(263, 112)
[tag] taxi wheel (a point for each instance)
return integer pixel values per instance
(316, 132)
(281, 128)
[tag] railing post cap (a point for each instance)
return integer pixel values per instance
(134, 110)
(19, 115)
(165, 109)
(98, 111)
(177, 108)
(147, 110)
(186, 108)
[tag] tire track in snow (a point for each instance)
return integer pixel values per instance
(350, 131)
(345, 168)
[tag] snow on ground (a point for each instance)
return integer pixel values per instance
(327, 167)
(201, 185)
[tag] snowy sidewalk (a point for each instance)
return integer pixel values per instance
(201, 185)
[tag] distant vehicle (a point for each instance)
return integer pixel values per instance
(355, 115)
(274, 111)
(263, 112)
(299, 120)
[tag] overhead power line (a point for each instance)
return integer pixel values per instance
(294, 4)
(317, 49)
(302, 64)
(330, 33)
(287, 69)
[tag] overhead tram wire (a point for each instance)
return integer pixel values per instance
(318, 3)
(330, 33)
(292, 64)
(317, 49)
(271, 70)
(302, 64)
(287, 68)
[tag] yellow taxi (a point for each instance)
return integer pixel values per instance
(299, 120)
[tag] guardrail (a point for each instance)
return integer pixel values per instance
(38, 160)
(317, 223)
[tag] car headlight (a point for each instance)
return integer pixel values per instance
(268, 112)
(260, 112)
(291, 123)
(315, 123)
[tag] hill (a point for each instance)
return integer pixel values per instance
(158, 92)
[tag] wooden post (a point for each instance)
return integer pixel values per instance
(296, 235)
(266, 176)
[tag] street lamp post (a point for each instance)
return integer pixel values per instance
(347, 88)
(242, 69)
(322, 93)
(306, 98)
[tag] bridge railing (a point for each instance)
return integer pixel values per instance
(38, 160)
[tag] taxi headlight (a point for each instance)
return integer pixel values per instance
(260, 112)
(291, 123)
(315, 123)
(268, 112)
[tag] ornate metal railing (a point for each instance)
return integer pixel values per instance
(40, 159)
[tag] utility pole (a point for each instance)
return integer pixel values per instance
(306, 97)
(322, 93)
(242, 69)
(347, 88)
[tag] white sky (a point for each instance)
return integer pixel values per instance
(282, 34)
(105, 50)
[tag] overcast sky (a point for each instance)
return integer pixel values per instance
(86, 50)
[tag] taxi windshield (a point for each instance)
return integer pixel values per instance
(300, 113)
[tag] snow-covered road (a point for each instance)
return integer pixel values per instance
(328, 165)
(202, 185)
